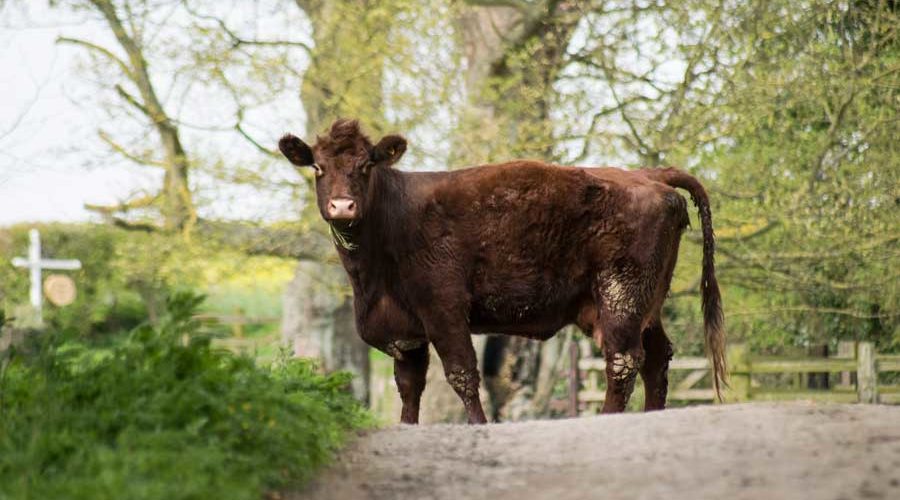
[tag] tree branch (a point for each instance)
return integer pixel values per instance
(101, 50)
(125, 206)
(817, 310)
(742, 237)
(237, 41)
(527, 9)
(254, 239)
(118, 148)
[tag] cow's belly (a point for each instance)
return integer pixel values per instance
(539, 330)
(538, 314)
(517, 289)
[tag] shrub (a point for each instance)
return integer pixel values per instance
(162, 414)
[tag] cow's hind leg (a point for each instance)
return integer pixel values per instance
(410, 370)
(655, 371)
(624, 356)
(623, 294)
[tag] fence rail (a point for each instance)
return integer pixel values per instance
(236, 321)
(858, 364)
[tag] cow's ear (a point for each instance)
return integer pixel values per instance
(388, 150)
(296, 151)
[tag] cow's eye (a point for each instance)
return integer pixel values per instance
(318, 169)
(366, 166)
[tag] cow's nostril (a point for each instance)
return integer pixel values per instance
(341, 208)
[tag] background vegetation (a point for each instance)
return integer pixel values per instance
(160, 413)
(788, 112)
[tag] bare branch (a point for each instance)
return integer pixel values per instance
(133, 226)
(643, 148)
(255, 239)
(125, 206)
(816, 310)
(101, 50)
(118, 148)
(237, 40)
(523, 6)
(24, 112)
(742, 237)
(266, 151)
(130, 99)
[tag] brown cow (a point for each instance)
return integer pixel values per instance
(521, 248)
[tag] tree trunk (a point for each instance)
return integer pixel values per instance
(513, 55)
(177, 208)
(318, 320)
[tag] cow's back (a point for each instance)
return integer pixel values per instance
(530, 236)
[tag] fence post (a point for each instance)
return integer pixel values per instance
(818, 380)
(237, 327)
(845, 351)
(574, 382)
(739, 377)
(866, 376)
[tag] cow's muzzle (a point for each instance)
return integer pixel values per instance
(342, 209)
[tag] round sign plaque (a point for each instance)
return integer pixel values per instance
(60, 289)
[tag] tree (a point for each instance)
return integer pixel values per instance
(513, 52)
(784, 109)
(813, 160)
(358, 46)
(344, 78)
(194, 49)
(174, 199)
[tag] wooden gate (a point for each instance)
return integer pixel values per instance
(857, 363)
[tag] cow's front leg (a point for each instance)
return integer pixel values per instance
(453, 343)
(410, 369)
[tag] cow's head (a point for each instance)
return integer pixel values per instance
(344, 161)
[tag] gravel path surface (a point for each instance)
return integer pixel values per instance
(765, 451)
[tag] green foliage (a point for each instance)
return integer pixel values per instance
(787, 111)
(808, 176)
(126, 276)
(118, 284)
(162, 414)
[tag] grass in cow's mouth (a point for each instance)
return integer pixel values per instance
(340, 234)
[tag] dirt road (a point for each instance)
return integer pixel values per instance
(765, 451)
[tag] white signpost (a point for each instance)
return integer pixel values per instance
(36, 264)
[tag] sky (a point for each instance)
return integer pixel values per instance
(42, 175)
(51, 108)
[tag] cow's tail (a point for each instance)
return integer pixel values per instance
(713, 320)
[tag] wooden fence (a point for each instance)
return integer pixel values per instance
(236, 322)
(857, 363)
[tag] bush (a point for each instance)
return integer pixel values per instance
(162, 414)
(115, 283)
